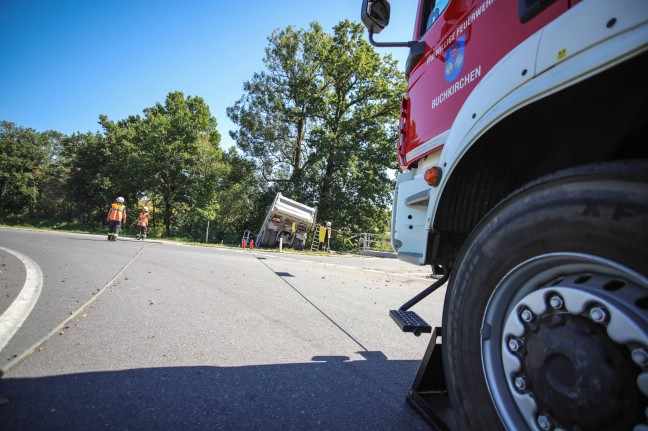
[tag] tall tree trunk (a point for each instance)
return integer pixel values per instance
(325, 189)
(167, 217)
(298, 144)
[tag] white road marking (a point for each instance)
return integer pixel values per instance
(14, 316)
(19, 358)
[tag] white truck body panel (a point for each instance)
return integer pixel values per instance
(279, 220)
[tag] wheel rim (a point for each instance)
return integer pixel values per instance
(541, 371)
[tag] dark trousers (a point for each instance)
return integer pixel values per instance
(113, 228)
(141, 231)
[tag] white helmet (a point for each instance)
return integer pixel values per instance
(119, 200)
(145, 209)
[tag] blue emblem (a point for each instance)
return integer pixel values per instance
(455, 59)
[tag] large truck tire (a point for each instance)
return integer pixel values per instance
(268, 238)
(298, 244)
(545, 323)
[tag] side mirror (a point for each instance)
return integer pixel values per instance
(375, 15)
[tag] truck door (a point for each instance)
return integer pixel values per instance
(463, 40)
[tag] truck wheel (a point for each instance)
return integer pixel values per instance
(298, 244)
(265, 239)
(545, 323)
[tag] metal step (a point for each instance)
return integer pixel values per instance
(409, 321)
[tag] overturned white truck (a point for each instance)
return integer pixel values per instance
(287, 221)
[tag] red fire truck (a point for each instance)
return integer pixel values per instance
(524, 147)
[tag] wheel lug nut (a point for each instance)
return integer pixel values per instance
(642, 384)
(556, 302)
(598, 314)
(544, 423)
(640, 356)
(515, 344)
(520, 383)
(527, 315)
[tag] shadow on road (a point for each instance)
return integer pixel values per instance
(329, 393)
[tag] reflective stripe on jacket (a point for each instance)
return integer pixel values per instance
(143, 219)
(117, 212)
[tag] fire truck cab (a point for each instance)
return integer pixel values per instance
(523, 142)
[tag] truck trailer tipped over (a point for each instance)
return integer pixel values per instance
(288, 221)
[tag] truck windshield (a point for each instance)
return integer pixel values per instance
(431, 12)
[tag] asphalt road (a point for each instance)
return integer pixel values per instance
(155, 335)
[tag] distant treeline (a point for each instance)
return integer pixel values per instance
(318, 124)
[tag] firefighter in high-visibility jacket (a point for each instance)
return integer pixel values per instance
(116, 217)
(142, 223)
(327, 238)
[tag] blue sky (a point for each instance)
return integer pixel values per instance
(65, 62)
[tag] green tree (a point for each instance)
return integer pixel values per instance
(24, 156)
(208, 173)
(359, 131)
(123, 167)
(169, 157)
(93, 173)
(277, 111)
(238, 198)
(179, 153)
(321, 120)
(52, 194)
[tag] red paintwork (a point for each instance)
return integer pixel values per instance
(493, 31)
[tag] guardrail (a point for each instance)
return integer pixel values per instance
(362, 242)
(375, 242)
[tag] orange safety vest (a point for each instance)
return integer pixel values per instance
(143, 219)
(117, 212)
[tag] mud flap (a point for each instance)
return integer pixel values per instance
(428, 395)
